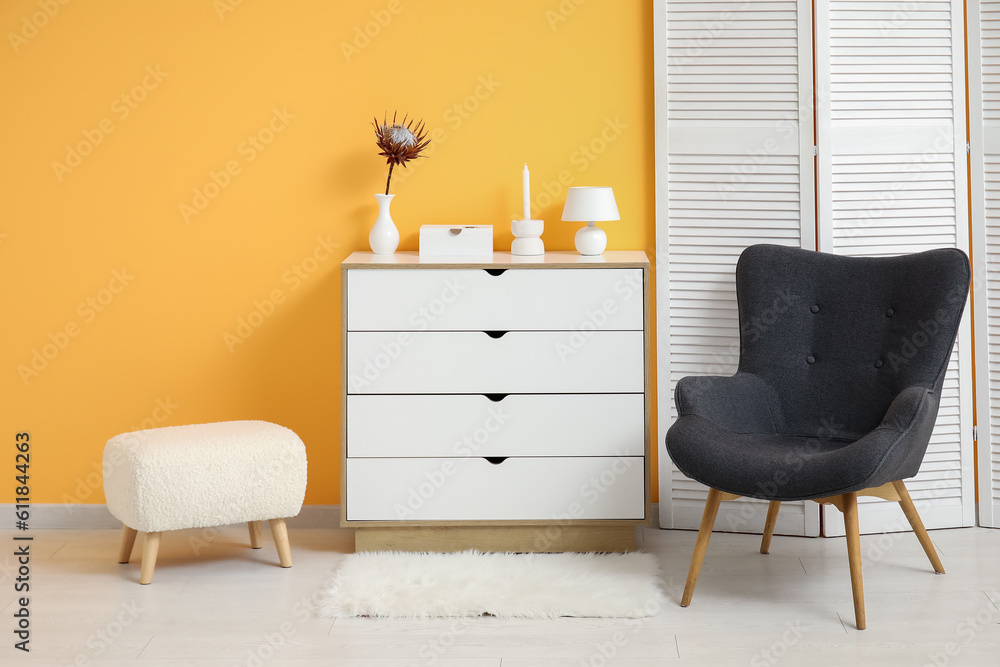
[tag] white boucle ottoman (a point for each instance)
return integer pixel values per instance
(204, 475)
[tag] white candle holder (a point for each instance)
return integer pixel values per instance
(527, 237)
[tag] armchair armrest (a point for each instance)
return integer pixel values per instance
(907, 406)
(742, 403)
(896, 448)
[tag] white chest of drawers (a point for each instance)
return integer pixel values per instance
(499, 404)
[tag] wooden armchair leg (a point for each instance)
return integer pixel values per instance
(256, 534)
(772, 518)
(701, 545)
(850, 507)
(128, 541)
(918, 526)
(280, 533)
(150, 547)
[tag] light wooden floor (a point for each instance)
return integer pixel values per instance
(233, 606)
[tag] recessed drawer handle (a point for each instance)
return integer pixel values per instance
(496, 398)
(495, 272)
(496, 460)
(495, 334)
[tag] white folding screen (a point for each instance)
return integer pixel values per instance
(734, 167)
(984, 117)
(734, 144)
(892, 179)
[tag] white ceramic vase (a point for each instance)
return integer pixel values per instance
(384, 237)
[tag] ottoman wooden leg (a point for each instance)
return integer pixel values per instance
(150, 547)
(280, 534)
(256, 534)
(128, 540)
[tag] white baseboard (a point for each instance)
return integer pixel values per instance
(79, 516)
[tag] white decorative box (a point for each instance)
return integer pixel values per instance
(456, 240)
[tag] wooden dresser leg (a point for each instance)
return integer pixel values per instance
(150, 547)
(128, 541)
(772, 518)
(280, 533)
(256, 534)
(850, 501)
(701, 546)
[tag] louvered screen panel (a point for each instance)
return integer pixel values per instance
(892, 180)
(989, 386)
(984, 115)
(736, 169)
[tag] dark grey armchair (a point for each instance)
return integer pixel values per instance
(842, 360)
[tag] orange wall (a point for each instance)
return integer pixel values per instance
(118, 300)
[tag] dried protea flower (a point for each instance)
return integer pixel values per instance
(400, 142)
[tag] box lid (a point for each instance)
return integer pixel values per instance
(456, 230)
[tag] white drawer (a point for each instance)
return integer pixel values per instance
(472, 425)
(519, 362)
(445, 489)
(476, 300)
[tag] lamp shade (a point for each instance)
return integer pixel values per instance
(590, 204)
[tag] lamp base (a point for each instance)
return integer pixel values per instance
(591, 240)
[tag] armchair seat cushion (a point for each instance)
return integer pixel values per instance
(773, 466)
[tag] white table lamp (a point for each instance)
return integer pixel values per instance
(590, 205)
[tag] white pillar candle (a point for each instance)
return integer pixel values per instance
(526, 191)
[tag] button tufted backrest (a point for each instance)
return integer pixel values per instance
(837, 338)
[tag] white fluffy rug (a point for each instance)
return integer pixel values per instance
(470, 583)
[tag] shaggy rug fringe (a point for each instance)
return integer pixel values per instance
(506, 585)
